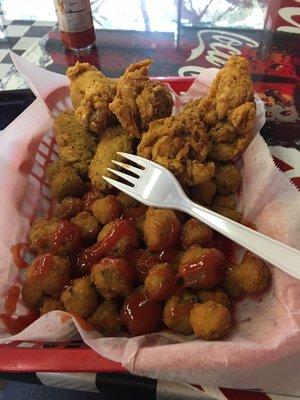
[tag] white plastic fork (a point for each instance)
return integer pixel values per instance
(155, 186)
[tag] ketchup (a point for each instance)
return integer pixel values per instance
(118, 263)
(91, 255)
(143, 260)
(15, 324)
(113, 210)
(133, 213)
(66, 233)
(141, 315)
(81, 322)
(90, 197)
(225, 245)
(16, 254)
(40, 267)
(161, 282)
(205, 271)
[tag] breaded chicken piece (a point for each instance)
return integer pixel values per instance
(180, 144)
(228, 111)
(82, 76)
(114, 139)
(139, 100)
(91, 92)
(76, 145)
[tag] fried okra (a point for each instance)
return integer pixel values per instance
(69, 208)
(251, 275)
(195, 232)
(32, 295)
(176, 313)
(60, 237)
(216, 295)
(226, 205)
(160, 282)
(113, 140)
(49, 273)
(204, 192)
(66, 183)
(202, 268)
(107, 209)
(106, 318)
(210, 320)
(228, 179)
(76, 145)
(127, 241)
(49, 304)
(126, 201)
(112, 277)
(80, 297)
(161, 229)
(88, 225)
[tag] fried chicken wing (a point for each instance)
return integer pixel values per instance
(228, 111)
(180, 144)
(139, 101)
(91, 92)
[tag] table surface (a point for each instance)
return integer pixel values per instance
(182, 37)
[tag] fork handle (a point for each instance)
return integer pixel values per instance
(282, 256)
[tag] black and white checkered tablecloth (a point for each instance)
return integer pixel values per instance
(19, 35)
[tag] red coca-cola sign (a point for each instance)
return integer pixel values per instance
(284, 16)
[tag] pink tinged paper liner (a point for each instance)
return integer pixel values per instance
(262, 351)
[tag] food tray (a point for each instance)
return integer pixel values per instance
(72, 356)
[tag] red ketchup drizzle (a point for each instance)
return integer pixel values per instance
(115, 209)
(225, 245)
(142, 261)
(167, 285)
(140, 314)
(66, 233)
(119, 263)
(40, 267)
(16, 254)
(11, 299)
(89, 198)
(91, 255)
(205, 271)
(15, 324)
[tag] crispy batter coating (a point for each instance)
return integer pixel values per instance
(204, 192)
(32, 296)
(138, 100)
(106, 318)
(176, 313)
(49, 273)
(68, 208)
(228, 179)
(160, 282)
(42, 236)
(80, 297)
(251, 275)
(66, 183)
(107, 209)
(82, 76)
(76, 145)
(161, 229)
(126, 201)
(195, 232)
(123, 244)
(216, 295)
(228, 111)
(88, 224)
(54, 168)
(50, 304)
(180, 144)
(113, 140)
(210, 320)
(112, 277)
(226, 205)
(91, 92)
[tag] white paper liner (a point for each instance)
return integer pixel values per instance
(263, 352)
